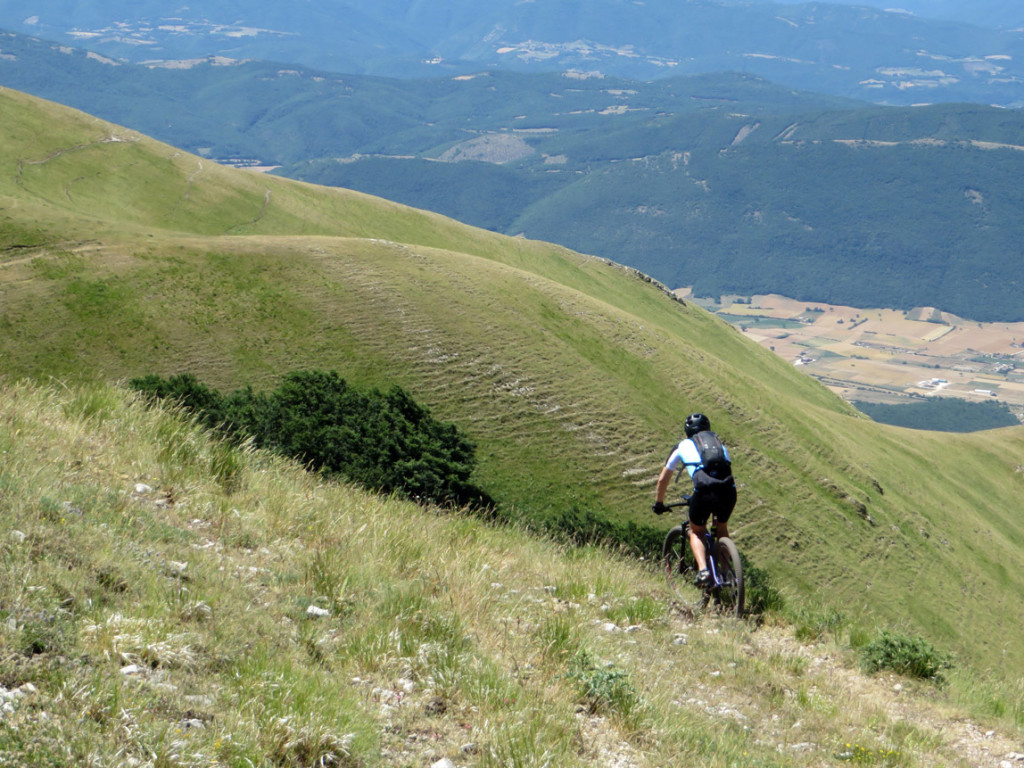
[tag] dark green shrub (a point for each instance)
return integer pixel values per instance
(384, 441)
(187, 391)
(583, 527)
(913, 656)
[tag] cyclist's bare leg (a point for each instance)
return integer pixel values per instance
(721, 529)
(697, 545)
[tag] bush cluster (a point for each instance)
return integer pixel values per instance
(582, 527)
(913, 656)
(384, 441)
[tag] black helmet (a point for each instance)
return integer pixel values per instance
(696, 422)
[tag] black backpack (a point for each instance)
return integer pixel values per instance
(712, 455)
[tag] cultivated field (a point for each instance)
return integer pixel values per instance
(882, 355)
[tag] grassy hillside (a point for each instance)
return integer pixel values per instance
(120, 256)
(169, 601)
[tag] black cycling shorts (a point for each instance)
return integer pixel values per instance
(708, 502)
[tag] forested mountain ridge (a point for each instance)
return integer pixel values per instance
(276, 113)
(995, 14)
(725, 182)
(846, 50)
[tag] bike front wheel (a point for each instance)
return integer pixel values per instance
(677, 560)
(729, 595)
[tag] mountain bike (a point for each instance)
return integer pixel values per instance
(725, 589)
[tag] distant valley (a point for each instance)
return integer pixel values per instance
(886, 356)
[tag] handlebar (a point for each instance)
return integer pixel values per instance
(684, 503)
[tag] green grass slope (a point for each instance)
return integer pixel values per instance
(120, 256)
(166, 600)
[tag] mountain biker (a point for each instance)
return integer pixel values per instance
(711, 495)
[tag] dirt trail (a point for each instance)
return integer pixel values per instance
(958, 740)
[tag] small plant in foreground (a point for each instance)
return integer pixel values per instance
(636, 610)
(855, 753)
(48, 633)
(604, 689)
(913, 656)
(559, 638)
(811, 626)
(762, 594)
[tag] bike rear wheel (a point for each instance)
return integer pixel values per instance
(729, 596)
(677, 560)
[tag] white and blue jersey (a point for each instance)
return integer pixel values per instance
(687, 455)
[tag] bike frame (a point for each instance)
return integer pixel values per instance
(725, 582)
(708, 539)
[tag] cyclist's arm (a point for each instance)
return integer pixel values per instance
(663, 482)
(679, 458)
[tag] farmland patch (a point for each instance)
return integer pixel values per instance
(882, 355)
